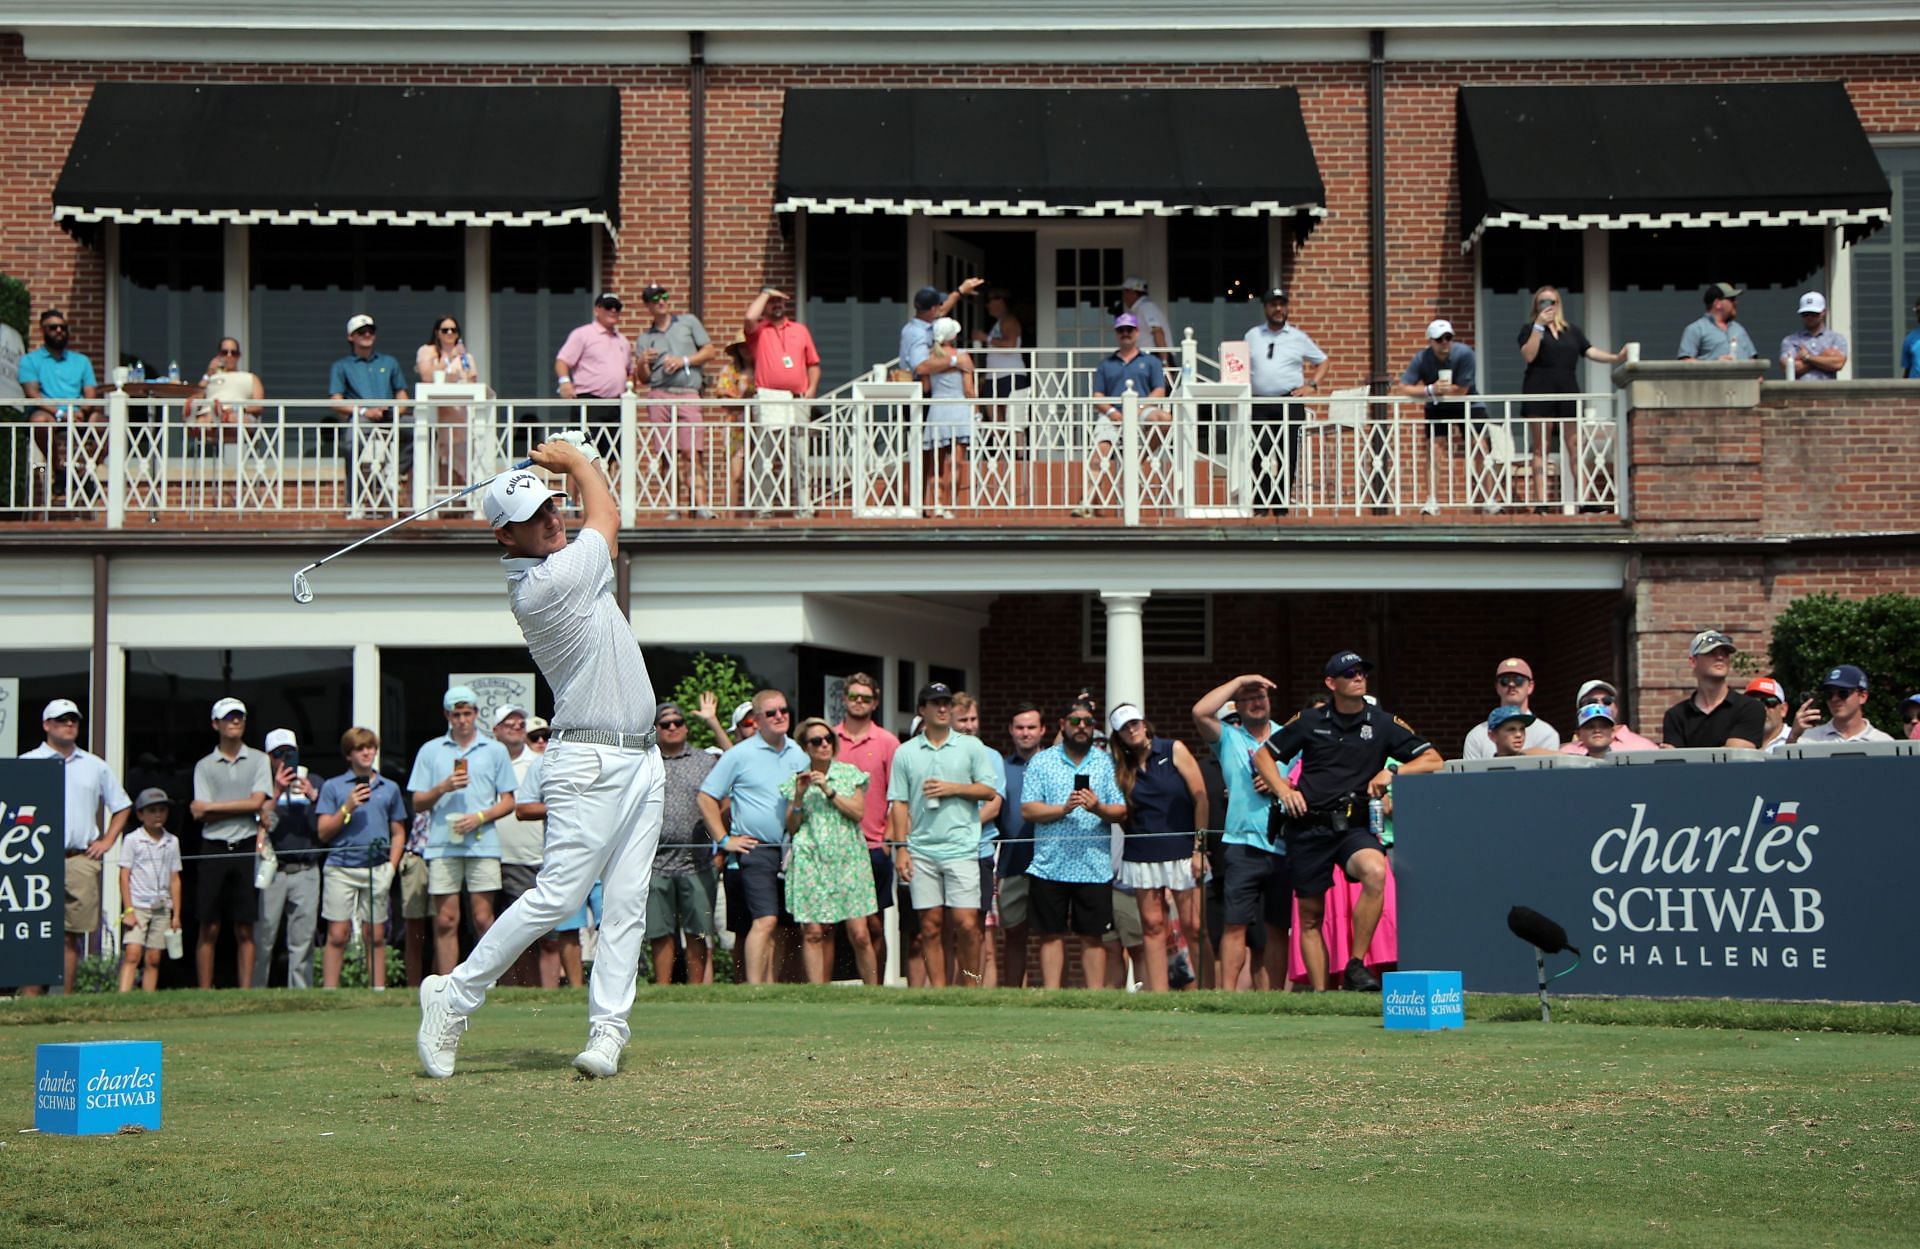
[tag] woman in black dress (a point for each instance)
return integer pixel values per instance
(1553, 348)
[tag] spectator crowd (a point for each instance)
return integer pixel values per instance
(1096, 835)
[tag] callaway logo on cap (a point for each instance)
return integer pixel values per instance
(517, 495)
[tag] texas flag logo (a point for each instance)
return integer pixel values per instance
(24, 815)
(1781, 812)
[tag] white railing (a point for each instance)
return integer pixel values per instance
(1208, 453)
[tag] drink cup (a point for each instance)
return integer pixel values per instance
(1446, 377)
(456, 831)
(263, 871)
(175, 947)
(439, 377)
(932, 802)
(1633, 353)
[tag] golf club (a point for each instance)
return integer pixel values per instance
(303, 592)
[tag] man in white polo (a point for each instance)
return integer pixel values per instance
(600, 776)
(230, 785)
(91, 788)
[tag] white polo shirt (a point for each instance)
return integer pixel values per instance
(1150, 315)
(583, 644)
(1827, 733)
(89, 784)
(1278, 358)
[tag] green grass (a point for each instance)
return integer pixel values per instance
(983, 1119)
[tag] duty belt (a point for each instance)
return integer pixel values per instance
(607, 737)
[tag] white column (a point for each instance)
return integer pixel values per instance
(366, 686)
(1840, 291)
(1126, 647)
(1597, 281)
(236, 283)
(476, 324)
(110, 742)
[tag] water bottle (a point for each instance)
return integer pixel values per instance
(1376, 817)
(139, 373)
(173, 371)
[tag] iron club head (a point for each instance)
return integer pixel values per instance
(302, 592)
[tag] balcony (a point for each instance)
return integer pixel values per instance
(1044, 456)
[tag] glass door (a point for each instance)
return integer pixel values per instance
(1086, 265)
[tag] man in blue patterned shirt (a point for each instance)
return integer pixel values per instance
(1070, 795)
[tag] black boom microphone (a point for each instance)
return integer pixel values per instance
(1538, 931)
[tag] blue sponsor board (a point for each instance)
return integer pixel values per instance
(1782, 879)
(96, 1087)
(1422, 1001)
(33, 872)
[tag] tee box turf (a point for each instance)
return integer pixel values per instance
(97, 1087)
(1422, 1001)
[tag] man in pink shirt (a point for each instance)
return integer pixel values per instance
(595, 360)
(869, 747)
(785, 363)
(1603, 694)
(784, 357)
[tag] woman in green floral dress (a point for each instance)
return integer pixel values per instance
(829, 873)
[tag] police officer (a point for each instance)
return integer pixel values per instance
(1346, 745)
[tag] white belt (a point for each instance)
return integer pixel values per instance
(606, 737)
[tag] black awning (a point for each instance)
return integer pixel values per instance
(1048, 152)
(1718, 154)
(298, 155)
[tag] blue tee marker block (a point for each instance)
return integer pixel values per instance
(97, 1087)
(1422, 1001)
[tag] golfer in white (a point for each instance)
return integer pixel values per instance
(601, 776)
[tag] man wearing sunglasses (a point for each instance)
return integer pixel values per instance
(1344, 747)
(749, 777)
(1602, 693)
(1286, 363)
(1717, 335)
(1773, 699)
(870, 746)
(1513, 683)
(91, 788)
(370, 392)
(1843, 695)
(1255, 892)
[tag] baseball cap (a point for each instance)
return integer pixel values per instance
(1595, 711)
(653, 292)
(1707, 640)
(59, 707)
(1344, 660)
(927, 298)
(152, 796)
(1723, 290)
(227, 706)
(1514, 664)
(1813, 301)
(1228, 708)
(359, 321)
(1278, 292)
(1126, 321)
(538, 724)
(1844, 676)
(1589, 687)
(664, 708)
(1439, 328)
(741, 714)
(1765, 687)
(1134, 284)
(459, 694)
(608, 299)
(1503, 714)
(932, 692)
(279, 739)
(517, 495)
(1123, 715)
(504, 712)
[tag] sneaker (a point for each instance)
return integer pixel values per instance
(672, 517)
(704, 513)
(440, 1028)
(1359, 979)
(601, 1058)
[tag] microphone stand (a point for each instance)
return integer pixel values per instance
(1540, 969)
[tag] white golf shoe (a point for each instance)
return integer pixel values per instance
(440, 1028)
(602, 1056)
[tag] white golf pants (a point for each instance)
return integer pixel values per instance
(603, 823)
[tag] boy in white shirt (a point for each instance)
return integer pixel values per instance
(150, 883)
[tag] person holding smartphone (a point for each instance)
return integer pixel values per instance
(1553, 348)
(363, 817)
(1070, 794)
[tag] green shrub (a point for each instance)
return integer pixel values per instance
(353, 969)
(1880, 634)
(99, 974)
(731, 685)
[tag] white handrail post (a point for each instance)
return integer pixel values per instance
(629, 450)
(1130, 457)
(1189, 356)
(117, 459)
(422, 455)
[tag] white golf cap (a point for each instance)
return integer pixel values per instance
(59, 707)
(359, 321)
(1122, 716)
(517, 495)
(1813, 301)
(281, 737)
(740, 713)
(536, 723)
(1228, 708)
(227, 706)
(1439, 329)
(1589, 687)
(1134, 284)
(508, 710)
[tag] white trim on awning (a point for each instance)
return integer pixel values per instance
(325, 217)
(1660, 221)
(1040, 208)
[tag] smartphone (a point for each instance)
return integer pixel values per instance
(287, 757)
(1082, 781)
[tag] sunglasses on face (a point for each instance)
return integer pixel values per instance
(361, 334)
(1507, 683)
(230, 351)
(670, 724)
(1352, 674)
(234, 715)
(1079, 721)
(816, 740)
(66, 719)
(1126, 329)
(540, 735)
(771, 712)
(860, 698)
(55, 327)
(1767, 700)
(1444, 338)
(1233, 720)
(1832, 692)
(449, 329)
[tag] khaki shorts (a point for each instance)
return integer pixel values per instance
(1012, 900)
(1126, 921)
(945, 882)
(414, 901)
(83, 896)
(149, 927)
(445, 876)
(343, 893)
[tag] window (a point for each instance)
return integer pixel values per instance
(856, 292)
(1174, 627)
(170, 696)
(1086, 295)
(542, 288)
(307, 280)
(1218, 268)
(1886, 273)
(171, 303)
